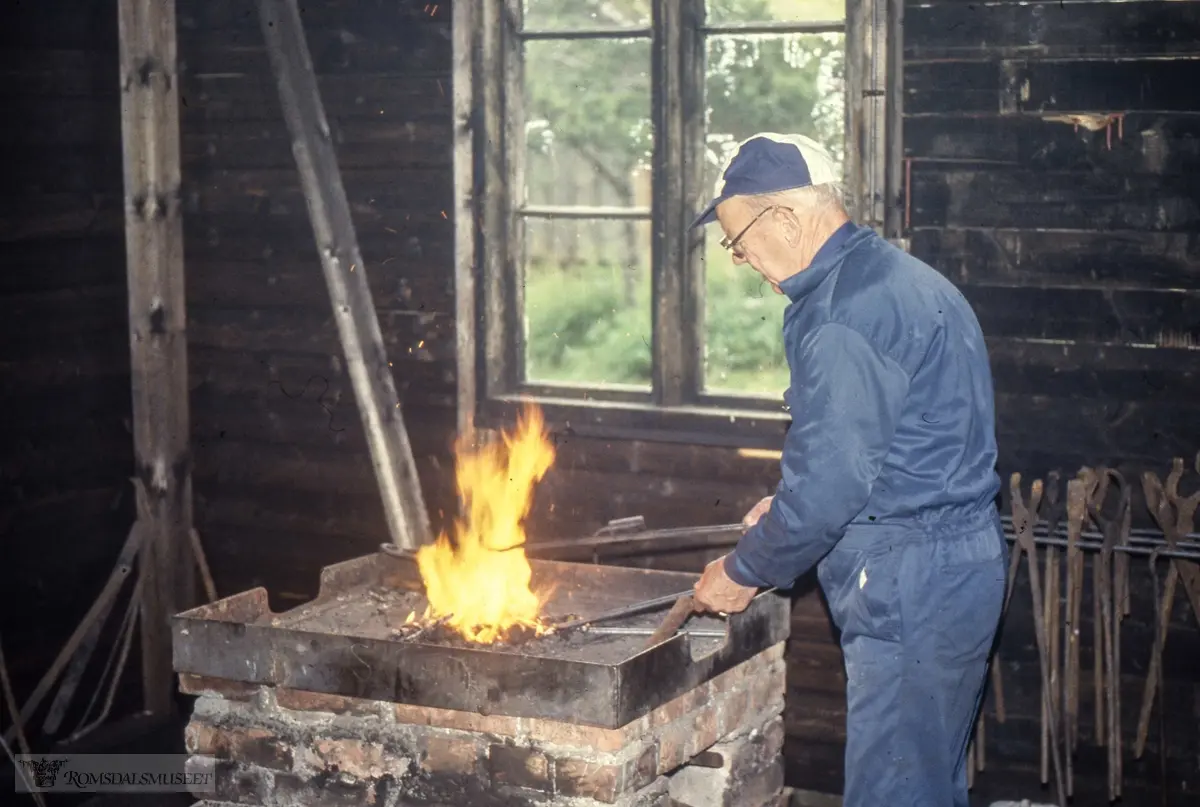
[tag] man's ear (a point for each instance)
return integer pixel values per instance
(790, 227)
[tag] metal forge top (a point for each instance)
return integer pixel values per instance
(342, 643)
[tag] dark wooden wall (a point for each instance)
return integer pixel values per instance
(66, 451)
(283, 480)
(1079, 249)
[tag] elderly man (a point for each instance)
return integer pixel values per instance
(888, 472)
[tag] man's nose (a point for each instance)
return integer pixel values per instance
(738, 258)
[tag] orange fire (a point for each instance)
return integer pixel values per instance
(479, 584)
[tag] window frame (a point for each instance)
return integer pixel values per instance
(489, 148)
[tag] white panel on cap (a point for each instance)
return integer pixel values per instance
(820, 164)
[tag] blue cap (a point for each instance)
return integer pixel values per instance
(767, 163)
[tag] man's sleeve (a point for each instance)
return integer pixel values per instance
(846, 399)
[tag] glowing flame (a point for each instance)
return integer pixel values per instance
(479, 584)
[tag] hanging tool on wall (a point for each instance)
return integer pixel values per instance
(1114, 528)
(1052, 511)
(1175, 515)
(1023, 522)
(1077, 491)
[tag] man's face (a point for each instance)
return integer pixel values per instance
(762, 238)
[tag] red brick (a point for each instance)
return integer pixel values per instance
(254, 746)
(519, 767)
(734, 711)
(495, 725)
(200, 738)
(452, 755)
(555, 732)
(359, 759)
(203, 685)
(706, 730)
(644, 769)
(587, 779)
(300, 700)
(673, 746)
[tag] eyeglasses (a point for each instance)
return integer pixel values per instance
(731, 245)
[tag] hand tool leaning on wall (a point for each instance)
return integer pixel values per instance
(1109, 591)
(1175, 516)
(1023, 523)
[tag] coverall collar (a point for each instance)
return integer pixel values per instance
(827, 257)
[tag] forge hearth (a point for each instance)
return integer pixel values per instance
(336, 702)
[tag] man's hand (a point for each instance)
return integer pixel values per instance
(756, 512)
(717, 593)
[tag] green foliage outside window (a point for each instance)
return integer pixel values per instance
(589, 140)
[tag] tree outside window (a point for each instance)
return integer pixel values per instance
(768, 65)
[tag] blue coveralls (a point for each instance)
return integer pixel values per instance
(889, 483)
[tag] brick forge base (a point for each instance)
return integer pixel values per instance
(274, 747)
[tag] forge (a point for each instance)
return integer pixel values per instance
(343, 700)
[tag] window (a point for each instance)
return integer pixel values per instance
(600, 129)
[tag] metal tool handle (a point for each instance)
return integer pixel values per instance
(628, 610)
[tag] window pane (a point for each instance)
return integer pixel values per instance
(587, 301)
(720, 12)
(568, 15)
(791, 83)
(587, 121)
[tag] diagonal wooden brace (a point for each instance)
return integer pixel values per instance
(345, 274)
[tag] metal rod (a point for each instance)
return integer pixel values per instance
(1138, 533)
(1095, 546)
(628, 610)
(699, 633)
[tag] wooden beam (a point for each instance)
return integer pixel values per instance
(467, 211)
(157, 329)
(345, 274)
(676, 101)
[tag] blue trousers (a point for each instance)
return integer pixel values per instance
(918, 609)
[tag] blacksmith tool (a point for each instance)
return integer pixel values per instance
(1052, 509)
(680, 612)
(696, 633)
(1110, 606)
(1076, 514)
(619, 533)
(1014, 563)
(1175, 516)
(1023, 522)
(624, 611)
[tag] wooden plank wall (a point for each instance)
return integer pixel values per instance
(283, 479)
(1080, 251)
(66, 451)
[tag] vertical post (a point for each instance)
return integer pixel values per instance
(345, 274)
(895, 228)
(157, 329)
(676, 102)
(467, 199)
(867, 112)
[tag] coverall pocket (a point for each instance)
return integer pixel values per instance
(863, 591)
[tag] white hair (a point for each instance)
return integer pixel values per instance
(812, 198)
